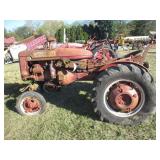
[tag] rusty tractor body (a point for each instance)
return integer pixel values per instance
(119, 93)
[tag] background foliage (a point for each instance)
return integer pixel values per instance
(82, 30)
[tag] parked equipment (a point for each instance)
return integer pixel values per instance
(124, 90)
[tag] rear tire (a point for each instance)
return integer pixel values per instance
(124, 94)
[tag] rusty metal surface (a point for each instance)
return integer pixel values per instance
(136, 59)
(59, 53)
(73, 53)
(66, 78)
(123, 96)
(67, 65)
(31, 105)
(37, 69)
(51, 38)
(23, 64)
(41, 54)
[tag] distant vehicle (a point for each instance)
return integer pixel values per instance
(137, 38)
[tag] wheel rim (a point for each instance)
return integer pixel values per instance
(124, 98)
(30, 105)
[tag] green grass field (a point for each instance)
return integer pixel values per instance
(69, 114)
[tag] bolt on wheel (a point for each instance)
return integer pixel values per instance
(124, 98)
(30, 103)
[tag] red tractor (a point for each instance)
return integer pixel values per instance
(124, 90)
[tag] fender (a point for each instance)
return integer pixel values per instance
(114, 64)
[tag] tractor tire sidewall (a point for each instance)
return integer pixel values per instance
(147, 87)
(31, 94)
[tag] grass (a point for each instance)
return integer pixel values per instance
(69, 114)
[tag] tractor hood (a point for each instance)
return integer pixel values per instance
(58, 53)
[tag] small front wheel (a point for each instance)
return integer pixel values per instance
(30, 103)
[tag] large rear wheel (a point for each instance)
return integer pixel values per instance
(124, 94)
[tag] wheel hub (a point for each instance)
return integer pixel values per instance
(31, 105)
(124, 97)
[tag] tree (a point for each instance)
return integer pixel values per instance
(99, 29)
(23, 32)
(89, 29)
(59, 34)
(9, 33)
(120, 27)
(50, 28)
(141, 27)
(104, 27)
(73, 33)
(5, 32)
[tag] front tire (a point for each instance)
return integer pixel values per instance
(124, 94)
(30, 103)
